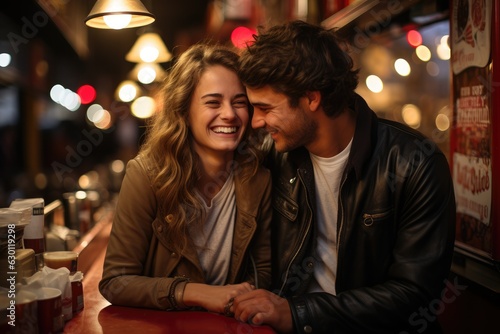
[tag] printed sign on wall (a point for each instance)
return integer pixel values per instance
(471, 34)
(472, 126)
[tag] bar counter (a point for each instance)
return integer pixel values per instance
(99, 316)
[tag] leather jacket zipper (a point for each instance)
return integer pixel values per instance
(342, 213)
(340, 229)
(368, 219)
(301, 243)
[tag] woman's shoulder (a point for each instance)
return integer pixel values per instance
(140, 164)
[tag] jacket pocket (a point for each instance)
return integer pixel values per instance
(285, 206)
(370, 219)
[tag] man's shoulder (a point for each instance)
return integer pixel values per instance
(401, 133)
(397, 128)
(405, 140)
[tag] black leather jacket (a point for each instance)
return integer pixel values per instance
(395, 233)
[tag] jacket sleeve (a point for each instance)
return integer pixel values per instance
(261, 245)
(410, 296)
(123, 281)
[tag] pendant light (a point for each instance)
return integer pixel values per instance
(119, 14)
(147, 73)
(149, 48)
(127, 91)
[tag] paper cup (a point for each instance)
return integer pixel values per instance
(50, 316)
(56, 260)
(77, 295)
(18, 314)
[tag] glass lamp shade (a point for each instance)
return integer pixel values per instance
(119, 14)
(149, 48)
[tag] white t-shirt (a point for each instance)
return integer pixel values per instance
(327, 176)
(215, 237)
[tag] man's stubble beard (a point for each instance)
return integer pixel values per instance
(301, 133)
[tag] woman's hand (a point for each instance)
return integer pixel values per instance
(213, 298)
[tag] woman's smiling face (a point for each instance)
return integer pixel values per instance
(218, 114)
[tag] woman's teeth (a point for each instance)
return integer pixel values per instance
(221, 129)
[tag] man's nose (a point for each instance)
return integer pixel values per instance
(258, 120)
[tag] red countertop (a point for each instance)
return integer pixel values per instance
(99, 316)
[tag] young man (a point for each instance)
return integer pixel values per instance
(364, 208)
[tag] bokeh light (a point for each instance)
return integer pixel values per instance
(241, 36)
(5, 59)
(87, 94)
(411, 115)
(402, 67)
(127, 91)
(414, 38)
(423, 53)
(143, 107)
(374, 83)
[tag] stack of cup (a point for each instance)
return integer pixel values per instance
(69, 260)
(50, 315)
(18, 312)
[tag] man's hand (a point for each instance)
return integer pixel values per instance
(261, 307)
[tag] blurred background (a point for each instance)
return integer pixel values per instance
(74, 98)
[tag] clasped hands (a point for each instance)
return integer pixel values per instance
(242, 301)
(259, 307)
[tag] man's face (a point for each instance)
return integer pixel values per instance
(289, 127)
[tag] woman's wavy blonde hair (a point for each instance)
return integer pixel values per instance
(167, 148)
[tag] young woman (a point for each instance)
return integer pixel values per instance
(192, 223)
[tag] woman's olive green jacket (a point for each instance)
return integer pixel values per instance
(140, 264)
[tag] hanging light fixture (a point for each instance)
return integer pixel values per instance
(118, 14)
(127, 91)
(146, 73)
(149, 48)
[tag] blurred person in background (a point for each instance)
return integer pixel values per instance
(192, 222)
(364, 208)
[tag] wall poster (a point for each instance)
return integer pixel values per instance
(472, 123)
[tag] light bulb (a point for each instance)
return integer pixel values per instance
(149, 54)
(117, 21)
(143, 107)
(127, 91)
(146, 75)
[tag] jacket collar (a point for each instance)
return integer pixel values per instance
(363, 144)
(244, 202)
(365, 135)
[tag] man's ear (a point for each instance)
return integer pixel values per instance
(314, 100)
